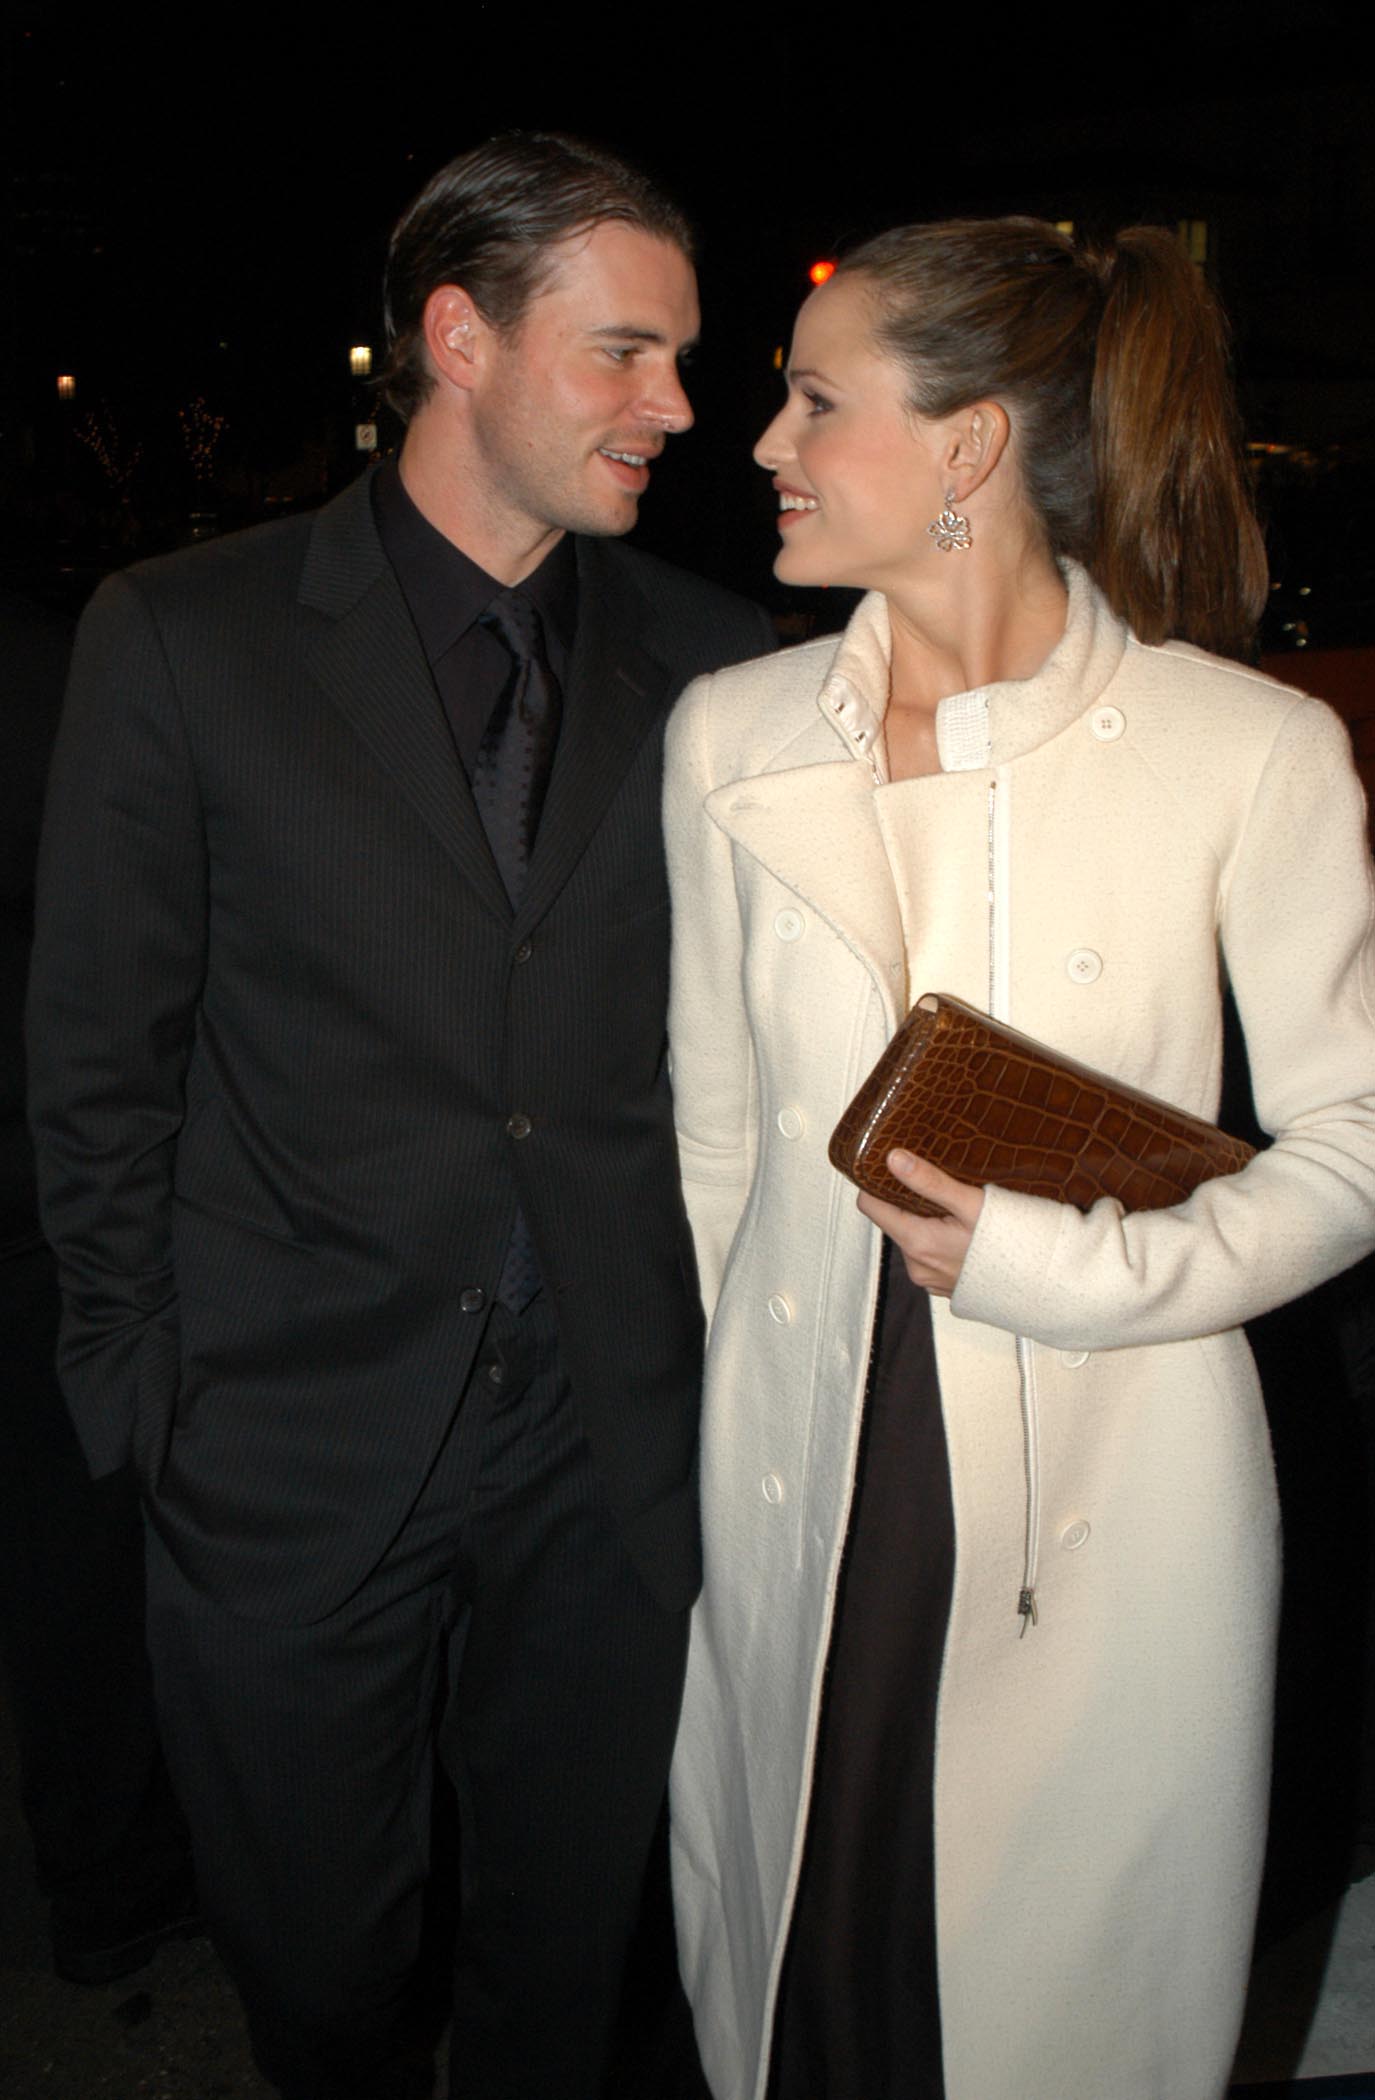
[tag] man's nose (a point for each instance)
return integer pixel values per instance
(669, 406)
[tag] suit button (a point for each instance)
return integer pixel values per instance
(780, 1309)
(525, 951)
(789, 925)
(791, 1122)
(1107, 724)
(1074, 1535)
(1084, 965)
(472, 1300)
(773, 1489)
(518, 1126)
(1072, 1359)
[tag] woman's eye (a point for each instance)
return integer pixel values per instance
(817, 404)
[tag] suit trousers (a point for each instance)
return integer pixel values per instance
(505, 1631)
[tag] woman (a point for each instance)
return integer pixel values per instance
(974, 1754)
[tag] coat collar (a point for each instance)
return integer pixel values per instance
(992, 724)
(369, 658)
(813, 821)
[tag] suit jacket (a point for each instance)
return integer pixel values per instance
(294, 1060)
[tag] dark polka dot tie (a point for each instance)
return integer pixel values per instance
(516, 755)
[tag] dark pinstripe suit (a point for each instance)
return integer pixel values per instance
(281, 1019)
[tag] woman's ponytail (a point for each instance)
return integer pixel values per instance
(1177, 549)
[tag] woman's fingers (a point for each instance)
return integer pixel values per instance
(957, 1198)
(933, 1249)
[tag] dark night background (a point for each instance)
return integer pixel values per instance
(197, 213)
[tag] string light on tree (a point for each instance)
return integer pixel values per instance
(201, 431)
(100, 435)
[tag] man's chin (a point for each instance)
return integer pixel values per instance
(607, 520)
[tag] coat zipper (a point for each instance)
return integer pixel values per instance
(1026, 1368)
(1026, 1372)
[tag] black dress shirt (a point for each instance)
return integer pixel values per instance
(447, 594)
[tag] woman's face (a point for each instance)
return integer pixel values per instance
(856, 471)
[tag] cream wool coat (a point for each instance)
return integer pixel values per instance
(1106, 838)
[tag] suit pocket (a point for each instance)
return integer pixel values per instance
(222, 1262)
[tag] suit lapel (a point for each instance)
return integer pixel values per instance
(618, 690)
(370, 662)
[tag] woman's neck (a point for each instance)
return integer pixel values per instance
(981, 627)
(963, 630)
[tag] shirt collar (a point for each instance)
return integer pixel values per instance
(447, 591)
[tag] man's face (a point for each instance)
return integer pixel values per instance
(574, 405)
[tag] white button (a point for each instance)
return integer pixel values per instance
(789, 925)
(1074, 1535)
(773, 1488)
(1072, 1358)
(779, 1309)
(1084, 965)
(791, 1122)
(1107, 724)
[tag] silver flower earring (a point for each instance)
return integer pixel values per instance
(950, 529)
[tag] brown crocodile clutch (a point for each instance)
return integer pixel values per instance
(987, 1104)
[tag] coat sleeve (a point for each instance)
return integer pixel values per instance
(114, 985)
(713, 1070)
(1296, 910)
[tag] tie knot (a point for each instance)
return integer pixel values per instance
(516, 619)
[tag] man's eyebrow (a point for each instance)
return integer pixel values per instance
(631, 333)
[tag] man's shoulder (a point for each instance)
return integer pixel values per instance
(715, 625)
(664, 580)
(259, 556)
(329, 555)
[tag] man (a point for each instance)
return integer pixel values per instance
(349, 1086)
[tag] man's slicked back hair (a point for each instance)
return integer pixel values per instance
(488, 221)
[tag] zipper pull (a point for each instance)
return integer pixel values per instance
(1026, 1605)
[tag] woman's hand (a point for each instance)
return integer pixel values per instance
(932, 1248)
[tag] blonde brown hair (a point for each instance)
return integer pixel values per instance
(1112, 362)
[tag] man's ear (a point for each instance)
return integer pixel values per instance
(977, 440)
(455, 335)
